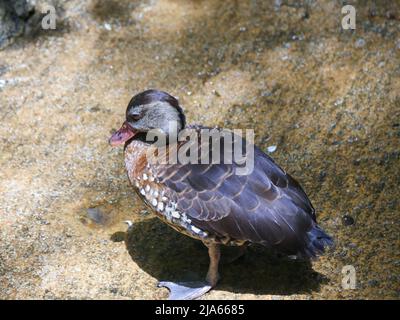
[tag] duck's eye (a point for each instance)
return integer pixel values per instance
(134, 116)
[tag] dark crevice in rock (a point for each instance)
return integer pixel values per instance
(24, 18)
(13, 16)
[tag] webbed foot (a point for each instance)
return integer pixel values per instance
(185, 290)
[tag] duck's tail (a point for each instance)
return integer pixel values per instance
(318, 241)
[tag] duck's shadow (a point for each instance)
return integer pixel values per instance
(167, 255)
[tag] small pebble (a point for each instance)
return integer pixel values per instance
(347, 220)
(360, 43)
(339, 102)
(373, 283)
(271, 149)
(114, 290)
(94, 109)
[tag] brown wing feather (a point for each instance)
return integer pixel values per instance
(267, 206)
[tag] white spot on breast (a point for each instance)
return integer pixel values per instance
(168, 209)
(164, 198)
(151, 178)
(185, 218)
(155, 193)
(160, 206)
(145, 177)
(142, 191)
(154, 202)
(147, 188)
(175, 214)
(195, 229)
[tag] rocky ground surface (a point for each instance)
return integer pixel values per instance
(328, 98)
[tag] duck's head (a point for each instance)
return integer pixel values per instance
(149, 110)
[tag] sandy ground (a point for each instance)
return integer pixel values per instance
(328, 98)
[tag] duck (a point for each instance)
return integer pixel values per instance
(210, 201)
